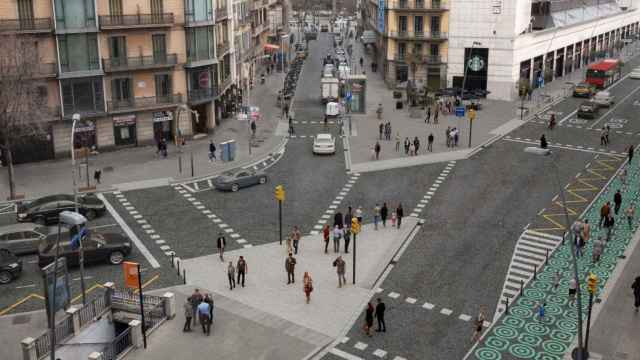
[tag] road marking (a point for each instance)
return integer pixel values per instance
(446, 311)
(394, 295)
(360, 345)
(560, 146)
(26, 286)
(103, 226)
(343, 354)
(464, 317)
(618, 103)
(380, 353)
(428, 306)
(143, 249)
(410, 300)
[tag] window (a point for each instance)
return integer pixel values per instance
(157, 7)
(198, 10)
(402, 24)
(74, 14)
(118, 50)
(159, 48)
(82, 95)
(25, 9)
(78, 52)
(200, 43)
(418, 24)
(435, 50)
(402, 50)
(115, 7)
(163, 85)
(435, 25)
(200, 79)
(121, 90)
(417, 49)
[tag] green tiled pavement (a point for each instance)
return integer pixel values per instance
(520, 334)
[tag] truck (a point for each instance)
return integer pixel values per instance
(329, 89)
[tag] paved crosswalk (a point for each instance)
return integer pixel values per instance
(531, 252)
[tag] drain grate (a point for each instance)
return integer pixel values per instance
(21, 319)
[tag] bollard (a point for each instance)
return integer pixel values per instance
(535, 271)
(172, 259)
(178, 265)
(192, 169)
(546, 256)
(506, 309)
(180, 164)
(521, 287)
(184, 276)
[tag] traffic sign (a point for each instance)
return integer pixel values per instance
(460, 111)
(472, 114)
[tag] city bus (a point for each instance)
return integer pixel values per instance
(604, 73)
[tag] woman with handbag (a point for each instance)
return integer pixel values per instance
(368, 319)
(307, 285)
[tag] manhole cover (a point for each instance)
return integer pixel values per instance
(107, 169)
(21, 319)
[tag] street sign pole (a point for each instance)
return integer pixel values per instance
(280, 220)
(354, 257)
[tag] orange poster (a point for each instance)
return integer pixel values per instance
(130, 274)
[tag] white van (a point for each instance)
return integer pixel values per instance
(603, 98)
(332, 110)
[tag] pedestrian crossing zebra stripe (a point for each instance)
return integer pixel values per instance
(529, 255)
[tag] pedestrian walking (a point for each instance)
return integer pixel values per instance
(623, 177)
(556, 280)
(416, 144)
(359, 214)
(573, 286)
(430, 143)
(203, 316)
(347, 217)
(188, 315)
(540, 310)
(296, 236)
(337, 235)
(387, 131)
(384, 212)
(607, 131)
(208, 298)
(290, 268)
(407, 144)
(222, 243)
(97, 175)
(325, 237)
(543, 142)
(603, 137)
(376, 216)
(579, 241)
(617, 201)
(380, 130)
(394, 218)
(630, 150)
(479, 324)
(340, 266)
(586, 231)
(435, 117)
(231, 275)
(447, 134)
(377, 150)
(597, 250)
(380, 309)
(630, 212)
(427, 119)
(398, 142)
(242, 268)
(289, 244)
(368, 319)
(636, 293)
(307, 286)
(196, 299)
(604, 212)
(456, 137)
(609, 223)
(399, 214)
(212, 151)
(412, 149)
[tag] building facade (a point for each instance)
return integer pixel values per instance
(411, 39)
(503, 42)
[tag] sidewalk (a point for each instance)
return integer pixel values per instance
(142, 164)
(519, 334)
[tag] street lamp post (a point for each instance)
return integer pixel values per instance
(466, 66)
(76, 119)
(579, 353)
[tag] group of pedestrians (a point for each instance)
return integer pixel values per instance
(198, 308)
(453, 135)
(378, 312)
(436, 112)
(384, 130)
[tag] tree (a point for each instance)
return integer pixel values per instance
(23, 111)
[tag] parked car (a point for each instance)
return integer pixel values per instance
(22, 238)
(583, 90)
(98, 248)
(588, 110)
(603, 99)
(324, 144)
(46, 209)
(635, 74)
(10, 266)
(233, 181)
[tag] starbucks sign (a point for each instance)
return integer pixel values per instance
(476, 63)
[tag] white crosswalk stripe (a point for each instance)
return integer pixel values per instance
(530, 254)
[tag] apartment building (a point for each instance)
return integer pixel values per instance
(411, 39)
(134, 70)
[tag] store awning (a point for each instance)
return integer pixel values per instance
(271, 47)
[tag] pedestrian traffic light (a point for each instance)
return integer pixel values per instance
(355, 226)
(592, 283)
(280, 193)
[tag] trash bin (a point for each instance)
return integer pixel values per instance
(228, 150)
(399, 105)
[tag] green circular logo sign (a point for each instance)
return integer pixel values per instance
(476, 63)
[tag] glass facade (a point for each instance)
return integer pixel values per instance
(78, 52)
(198, 10)
(75, 14)
(200, 43)
(83, 96)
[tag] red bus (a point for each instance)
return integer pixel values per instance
(604, 73)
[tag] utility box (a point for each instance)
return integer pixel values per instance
(228, 150)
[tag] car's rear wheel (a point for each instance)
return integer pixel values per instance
(235, 187)
(5, 277)
(91, 214)
(116, 258)
(263, 180)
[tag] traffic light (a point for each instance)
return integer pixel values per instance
(280, 193)
(355, 226)
(592, 283)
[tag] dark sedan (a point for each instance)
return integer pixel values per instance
(46, 209)
(98, 248)
(233, 181)
(10, 266)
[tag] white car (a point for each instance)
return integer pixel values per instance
(324, 144)
(635, 74)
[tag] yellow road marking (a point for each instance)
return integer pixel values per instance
(148, 282)
(18, 303)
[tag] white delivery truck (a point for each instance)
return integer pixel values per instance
(329, 89)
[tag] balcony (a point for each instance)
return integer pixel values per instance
(222, 49)
(80, 70)
(221, 14)
(200, 96)
(405, 35)
(193, 20)
(258, 28)
(143, 103)
(433, 59)
(432, 6)
(224, 85)
(144, 21)
(140, 63)
(27, 26)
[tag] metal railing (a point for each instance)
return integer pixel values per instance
(221, 13)
(154, 317)
(418, 35)
(224, 85)
(137, 20)
(94, 309)
(432, 5)
(27, 25)
(92, 65)
(199, 95)
(191, 20)
(139, 62)
(64, 330)
(222, 48)
(116, 347)
(141, 103)
(433, 59)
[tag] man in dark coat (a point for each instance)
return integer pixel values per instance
(384, 212)
(337, 220)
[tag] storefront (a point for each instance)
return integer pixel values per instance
(162, 128)
(124, 130)
(85, 136)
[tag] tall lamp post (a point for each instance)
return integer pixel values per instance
(579, 353)
(76, 118)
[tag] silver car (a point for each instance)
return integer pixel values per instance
(234, 180)
(22, 238)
